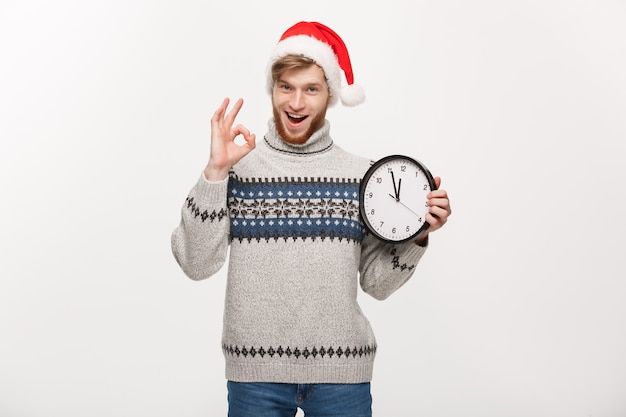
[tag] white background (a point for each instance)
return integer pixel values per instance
(518, 307)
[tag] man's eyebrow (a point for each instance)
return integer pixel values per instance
(309, 84)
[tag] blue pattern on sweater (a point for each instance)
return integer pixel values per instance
(296, 208)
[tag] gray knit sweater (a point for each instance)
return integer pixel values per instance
(298, 250)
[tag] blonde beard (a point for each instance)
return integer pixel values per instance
(316, 124)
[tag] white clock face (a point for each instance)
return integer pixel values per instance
(393, 198)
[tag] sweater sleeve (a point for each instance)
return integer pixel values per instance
(385, 267)
(200, 242)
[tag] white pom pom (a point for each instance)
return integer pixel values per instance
(352, 95)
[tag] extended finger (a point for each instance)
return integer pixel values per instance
(219, 113)
(232, 114)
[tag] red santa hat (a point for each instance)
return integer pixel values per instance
(325, 47)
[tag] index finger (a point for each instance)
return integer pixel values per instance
(219, 113)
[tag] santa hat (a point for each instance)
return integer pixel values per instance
(325, 47)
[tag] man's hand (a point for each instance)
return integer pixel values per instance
(438, 212)
(224, 151)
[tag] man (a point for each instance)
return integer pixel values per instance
(287, 209)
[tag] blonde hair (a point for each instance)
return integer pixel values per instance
(288, 63)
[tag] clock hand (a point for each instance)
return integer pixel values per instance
(395, 190)
(399, 184)
(407, 207)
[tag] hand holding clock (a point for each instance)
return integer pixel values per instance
(438, 211)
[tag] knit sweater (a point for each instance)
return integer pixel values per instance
(287, 219)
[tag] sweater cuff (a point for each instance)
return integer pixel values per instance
(211, 192)
(415, 252)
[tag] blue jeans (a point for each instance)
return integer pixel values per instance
(253, 399)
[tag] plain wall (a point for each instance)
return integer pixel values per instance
(518, 307)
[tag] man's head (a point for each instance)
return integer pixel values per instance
(324, 47)
(300, 97)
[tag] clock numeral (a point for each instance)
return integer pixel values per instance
(403, 168)
(393, 230)
(425, 187)
(370, 194)
(381, 224)
(408, 229)
(372, 212)
(379, 180)
(389, 170)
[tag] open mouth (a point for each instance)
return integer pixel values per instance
(296, 119)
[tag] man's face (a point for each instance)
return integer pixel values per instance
(300, 99)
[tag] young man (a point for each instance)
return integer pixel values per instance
(287, 209)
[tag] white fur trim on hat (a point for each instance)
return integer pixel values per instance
(318, 51)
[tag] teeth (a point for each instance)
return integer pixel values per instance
(295, 116)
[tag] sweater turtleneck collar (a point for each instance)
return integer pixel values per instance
(319, 142)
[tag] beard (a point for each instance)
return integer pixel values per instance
(315, 125)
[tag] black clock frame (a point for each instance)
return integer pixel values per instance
(365, 180)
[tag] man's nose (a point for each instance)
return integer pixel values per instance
(297, 100)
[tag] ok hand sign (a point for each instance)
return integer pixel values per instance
(224, 151)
